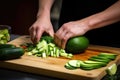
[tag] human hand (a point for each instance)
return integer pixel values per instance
(41, 25)
(68, 30)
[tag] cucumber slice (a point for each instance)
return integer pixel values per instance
(112, 69)
(99, 60)
(91, 66)
(95, 62)
(74, 63)
(102, 58)
(92, 62)
(108, 55)
(69, 66)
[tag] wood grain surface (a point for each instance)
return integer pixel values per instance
(54, 67)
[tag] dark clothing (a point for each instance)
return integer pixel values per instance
(78, 9)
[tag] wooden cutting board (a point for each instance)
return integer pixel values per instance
(54, 67)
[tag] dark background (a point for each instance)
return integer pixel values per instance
(19, 14)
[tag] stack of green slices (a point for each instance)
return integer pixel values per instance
(93, 62)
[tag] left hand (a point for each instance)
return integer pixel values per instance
(68, 30)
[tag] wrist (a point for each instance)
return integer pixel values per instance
(43, 13)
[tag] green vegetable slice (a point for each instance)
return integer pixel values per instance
(74, 63)
(90, 66)
(108, 55)
(112, 69)
(99, 60)
(95, 62)
(69, 66)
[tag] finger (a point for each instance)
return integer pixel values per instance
(32, 33)
(39, 33)
(57, 37)
(57, 40)
(61, 37)
(51, 32)
(65, 39)
(63, 34)
(59, 32)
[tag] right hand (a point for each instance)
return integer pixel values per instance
(69, 30)
(42, 24)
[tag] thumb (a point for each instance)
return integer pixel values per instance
(51, 33)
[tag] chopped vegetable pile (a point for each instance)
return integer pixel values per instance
(4, 36)
(44, 48)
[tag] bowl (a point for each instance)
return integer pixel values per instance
(5, 27)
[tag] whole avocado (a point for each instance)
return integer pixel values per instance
(77, 44)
